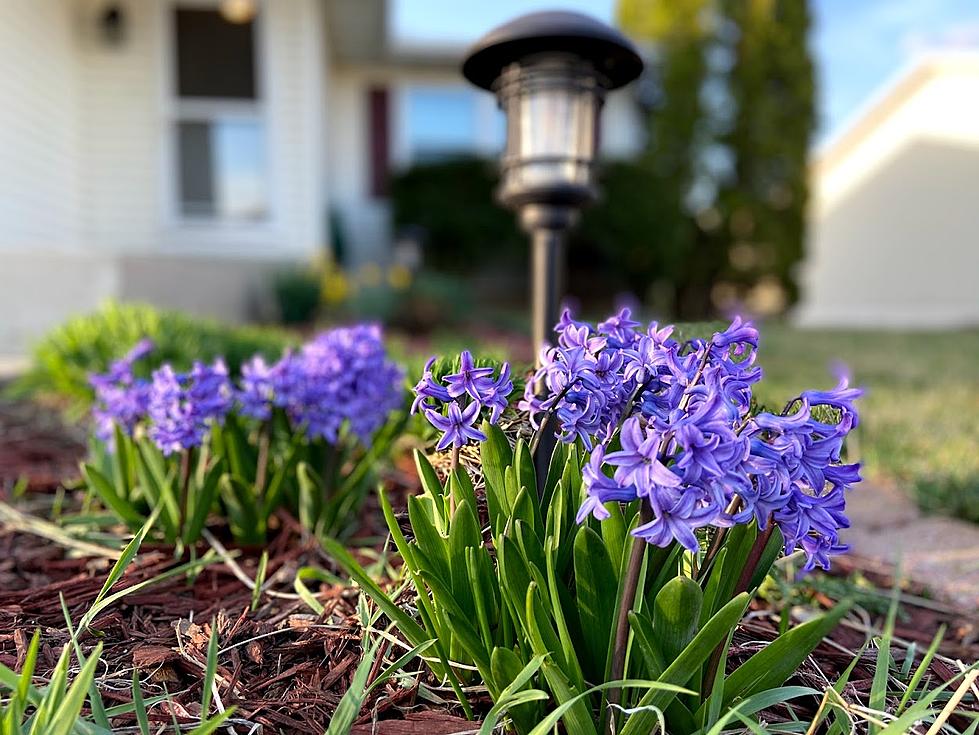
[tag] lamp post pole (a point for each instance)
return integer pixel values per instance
(548, 227)
(550, 72)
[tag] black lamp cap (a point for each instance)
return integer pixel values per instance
(613, 55)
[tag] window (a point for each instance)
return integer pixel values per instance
(219, 129)
(446, 121)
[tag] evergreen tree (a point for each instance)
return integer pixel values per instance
(716, 203)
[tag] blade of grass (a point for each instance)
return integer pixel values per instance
(922, 668)
(353, 698)
(210, 670)
(139, 706)
(263, 563)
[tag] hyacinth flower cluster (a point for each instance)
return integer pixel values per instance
(673, 424)
(121, 398)
(341, 377)
(455, 404)
(182, 406)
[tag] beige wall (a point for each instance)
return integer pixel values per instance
(894, 226)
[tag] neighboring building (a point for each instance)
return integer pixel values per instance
(180, 151)
(894, 224)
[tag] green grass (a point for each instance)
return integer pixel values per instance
(920, 417)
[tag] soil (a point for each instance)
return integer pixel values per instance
(285, 667)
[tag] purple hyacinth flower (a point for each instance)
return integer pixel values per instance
(638, 462)
(457, 426)
(470, 379)
(678, 513)
(256, 391)
(739, 332)
(494, 394)
(121, 399)
(601, 489)
(429, 388)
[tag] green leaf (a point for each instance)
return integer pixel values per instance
(399, 663)
(676, 616)
(432, 552)
(577, 715)
(515, 697)
(430, 482)
(299, 584)
(922, 668)
(461, 487)
(310, 495)
(688, 663)
(157, 483)
(775, 663)
(569, 648)
(495, 456)
(555, 469)
(596, 591)
(139, 706)
(642, 628)
(767, 559)
(408, 627)
(211, 725)
(106, 492)
(118, 569)
(523, 462)
(203, 502)
(210, 670)
(549, 722)
(66, 715)
(878, 687)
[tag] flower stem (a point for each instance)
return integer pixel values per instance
(185, 462)
(750, 565)
(263, 458)
(636, 555)
(452, 468)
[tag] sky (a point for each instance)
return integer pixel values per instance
(858, 45)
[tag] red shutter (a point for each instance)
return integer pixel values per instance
(378, 113)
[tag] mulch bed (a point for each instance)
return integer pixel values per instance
(284, 667)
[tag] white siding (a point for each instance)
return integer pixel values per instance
(38, 203)
(120, 127)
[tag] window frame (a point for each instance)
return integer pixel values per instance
(194, 230)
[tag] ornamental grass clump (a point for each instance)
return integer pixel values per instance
(305, 433)
(607, 592)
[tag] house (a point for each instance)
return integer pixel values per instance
(179, 152)
(894, 225)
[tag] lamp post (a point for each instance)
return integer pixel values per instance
(550, 72)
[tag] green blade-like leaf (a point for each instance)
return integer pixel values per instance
(688, 663)
(676, 616)
(596, 590)
(408, 627)
(107, 493)
(774, 664)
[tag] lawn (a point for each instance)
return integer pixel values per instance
(920, 416)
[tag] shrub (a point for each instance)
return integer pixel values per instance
(453, 203)
(63, 360)
(297, 295)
